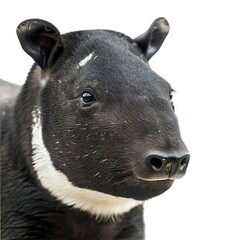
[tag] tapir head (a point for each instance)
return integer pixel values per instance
(103, 122)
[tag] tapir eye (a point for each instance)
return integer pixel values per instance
(171, 97)
(87, 98)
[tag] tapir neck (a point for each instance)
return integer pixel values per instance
(43, 217)
(31, 213)
(74, 224)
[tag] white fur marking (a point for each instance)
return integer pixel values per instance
(97, 203)
(85, 60)
(163, 25)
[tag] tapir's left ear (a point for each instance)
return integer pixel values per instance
(150, 41)
(41, 40)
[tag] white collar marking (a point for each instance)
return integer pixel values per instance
(96, 203)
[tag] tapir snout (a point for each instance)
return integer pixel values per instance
(162, 155)
(158, 166)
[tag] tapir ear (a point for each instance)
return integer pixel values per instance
(150, 41)
(41, 40)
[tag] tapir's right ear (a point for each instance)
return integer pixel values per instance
(41, 40)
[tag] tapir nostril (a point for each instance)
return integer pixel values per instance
(156, 164)
(165, 167)
(184, 162)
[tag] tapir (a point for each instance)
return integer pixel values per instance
(89, 137)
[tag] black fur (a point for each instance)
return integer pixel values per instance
(130, 116)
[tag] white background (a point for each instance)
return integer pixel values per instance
(200, 58)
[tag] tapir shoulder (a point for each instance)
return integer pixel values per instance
(8, 90)
(8, 94)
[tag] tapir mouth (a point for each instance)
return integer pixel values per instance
(152, 188)
(155, 179)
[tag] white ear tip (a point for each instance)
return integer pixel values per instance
(162, 24)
